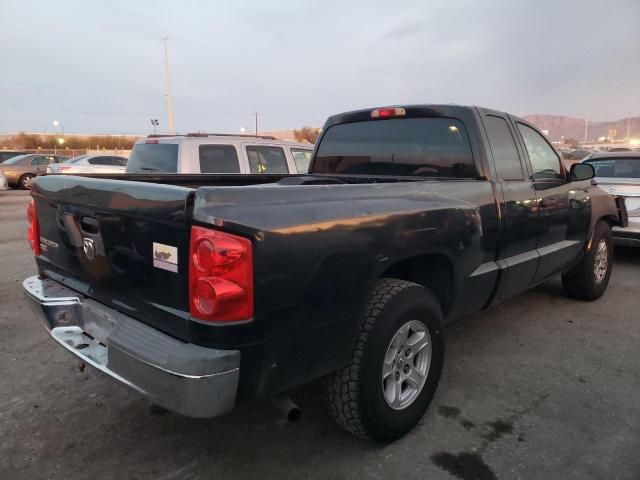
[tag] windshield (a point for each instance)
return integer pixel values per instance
(14, 160)
(153, 157)
(616, 167)
(429, 147)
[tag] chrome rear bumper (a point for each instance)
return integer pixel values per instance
(189, 379)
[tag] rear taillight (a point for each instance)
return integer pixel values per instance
(33, 233)
(220, 276)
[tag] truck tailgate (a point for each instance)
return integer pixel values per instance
(124, 244)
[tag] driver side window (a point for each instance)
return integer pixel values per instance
(40, 161)
(544, 161)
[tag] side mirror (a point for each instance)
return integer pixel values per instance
(581, 171)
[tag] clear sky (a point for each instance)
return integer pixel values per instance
(96, 66)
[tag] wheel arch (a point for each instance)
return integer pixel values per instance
(434, 271)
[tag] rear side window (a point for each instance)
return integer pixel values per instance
(302, 158)
(544, 161)
(117, 161)
(503, 148)
(153, 157)
(266, 159)
(426, 147)
(40, 161)
(99, 161)
(218, 159)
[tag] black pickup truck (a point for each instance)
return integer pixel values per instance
(201, 292)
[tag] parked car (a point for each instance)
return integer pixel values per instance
(575, 155)
(4, 184)
(619, 174)
(201, 292)
(7, 154)
(21, 170)
(619, 149)
(218, 153)
(90, 164)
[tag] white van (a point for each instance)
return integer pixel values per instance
(218, 153)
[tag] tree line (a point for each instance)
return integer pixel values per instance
(32, 141)
(307, 134)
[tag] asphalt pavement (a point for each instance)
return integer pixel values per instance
(540, 387)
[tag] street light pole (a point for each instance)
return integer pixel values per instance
(256, 115)
(629, 130)
(60, 140)
(167, 89)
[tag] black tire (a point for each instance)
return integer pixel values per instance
(25, 181)
(355, 392)
(582, 282)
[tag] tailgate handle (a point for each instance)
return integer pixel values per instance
(89, 225)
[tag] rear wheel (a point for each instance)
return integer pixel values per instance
(395, 366)
(589, 280)
(26, 180)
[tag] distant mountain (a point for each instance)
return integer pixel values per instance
(567, 127)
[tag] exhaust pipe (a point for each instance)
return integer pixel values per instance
(286, 407)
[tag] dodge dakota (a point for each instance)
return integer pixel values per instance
(204, 291)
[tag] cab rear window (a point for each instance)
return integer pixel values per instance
(153, 157)
(426, 147)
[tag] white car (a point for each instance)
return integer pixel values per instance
(619, 175)
(4, 185)
(90, 164)
(219, 154)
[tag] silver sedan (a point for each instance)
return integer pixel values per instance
(90, 164)
(619, 174)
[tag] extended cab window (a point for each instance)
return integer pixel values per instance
(218, 159)
(544, 161)
(429, 147)
(503, 148)
(153, 157)
(266, 159)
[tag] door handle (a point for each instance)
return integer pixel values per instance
(549, 202)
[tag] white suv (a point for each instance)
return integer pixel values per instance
(218, 153)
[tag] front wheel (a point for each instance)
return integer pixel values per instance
(395, 366)
(589, 280)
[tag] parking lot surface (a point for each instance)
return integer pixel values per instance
(540, 387)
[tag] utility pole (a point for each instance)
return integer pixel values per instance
(521, 107)
(586, 128)
(404, 88)
(256, 115)
(167, 89)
